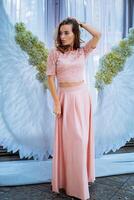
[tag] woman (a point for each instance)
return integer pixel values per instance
(73, 157)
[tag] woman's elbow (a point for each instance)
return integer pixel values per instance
(50, 78)
(98, 35)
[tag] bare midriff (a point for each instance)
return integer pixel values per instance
(69, 84)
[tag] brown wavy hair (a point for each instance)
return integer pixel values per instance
(75, 30)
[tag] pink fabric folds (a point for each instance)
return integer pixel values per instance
(73, 164)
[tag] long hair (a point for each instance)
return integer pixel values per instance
(75, 30)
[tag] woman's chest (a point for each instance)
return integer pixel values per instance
(67, 61)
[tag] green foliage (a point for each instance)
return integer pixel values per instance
(35, 49)
(112, 63)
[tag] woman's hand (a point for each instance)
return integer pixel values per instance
(57, 108)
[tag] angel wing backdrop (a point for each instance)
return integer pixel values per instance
(26, 117)
(26, 121)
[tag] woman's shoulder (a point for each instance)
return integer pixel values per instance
(80, 50)
(53, 52)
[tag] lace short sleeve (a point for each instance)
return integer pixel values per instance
(51, 62)
(88, 48)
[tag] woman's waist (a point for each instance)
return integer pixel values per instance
(70, 83)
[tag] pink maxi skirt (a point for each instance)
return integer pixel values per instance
(73, 163)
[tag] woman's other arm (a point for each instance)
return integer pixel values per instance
(52, 88)
(51, 73)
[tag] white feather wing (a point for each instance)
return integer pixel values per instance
(26, 121)
(114, 116)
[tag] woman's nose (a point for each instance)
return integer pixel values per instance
(62, 36)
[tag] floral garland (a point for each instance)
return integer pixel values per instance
(35, 49)
(112, 63)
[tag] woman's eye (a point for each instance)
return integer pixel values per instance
(66, 33)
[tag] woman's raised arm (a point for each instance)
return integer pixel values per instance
(96, 35)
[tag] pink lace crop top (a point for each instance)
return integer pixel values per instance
(68, 66)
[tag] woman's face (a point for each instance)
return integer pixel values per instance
(66, 35)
